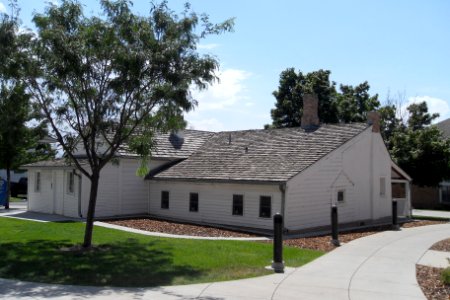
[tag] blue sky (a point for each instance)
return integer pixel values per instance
(401, 47)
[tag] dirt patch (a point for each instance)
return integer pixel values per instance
(430, 282)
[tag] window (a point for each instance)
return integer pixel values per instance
(238, 205)
(193, 202)
(265, 207)
(70, 183)
(382, 187)
(165, 199)
(445, 194)
(37, 183)
(340, 196)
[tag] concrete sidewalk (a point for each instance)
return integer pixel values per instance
(380, 266)
(431, 213)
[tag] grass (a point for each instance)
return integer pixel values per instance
(15, 199)
(428, 218)
(446, 276)
(33, 251)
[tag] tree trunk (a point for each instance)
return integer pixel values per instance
(8, 185)
(91, 209)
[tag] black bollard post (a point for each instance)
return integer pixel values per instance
(395, 225)
(277, 263)
(334, 226)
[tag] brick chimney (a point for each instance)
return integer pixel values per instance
(373, 118)
(310, 118)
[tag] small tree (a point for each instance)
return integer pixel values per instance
(17, 140)
(102, 80)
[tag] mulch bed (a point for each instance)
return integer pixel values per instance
(442, 246)
(321, 243)
(429, 278)
(430, 282)
(154, 225)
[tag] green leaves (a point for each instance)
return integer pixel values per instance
(100, 75)
(350, 104)
(418, 148)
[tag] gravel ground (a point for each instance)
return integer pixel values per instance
(429, 278)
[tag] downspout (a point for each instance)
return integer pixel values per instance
(282, 187)
(79, 193)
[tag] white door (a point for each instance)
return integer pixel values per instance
(58, 191)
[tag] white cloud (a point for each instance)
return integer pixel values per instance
(435, 105)
(207, 46)
(225, 93)
(2, 8)
(210, 124)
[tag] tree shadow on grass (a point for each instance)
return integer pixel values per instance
(125, 264)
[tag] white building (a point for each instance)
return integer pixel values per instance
(240, 179)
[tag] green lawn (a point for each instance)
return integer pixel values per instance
(34, 251)
(15, 199)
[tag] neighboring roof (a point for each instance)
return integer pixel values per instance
(444, 126)
(271, 155)
(55, 163)
(395, 168)
(174, 145)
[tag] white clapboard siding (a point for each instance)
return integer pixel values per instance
(42, 200)
(310, 194)
(215, 202)
(120, 190)
(71, 199)
(134, 188)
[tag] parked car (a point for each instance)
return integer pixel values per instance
(20, 187)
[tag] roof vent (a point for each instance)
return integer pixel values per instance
(229, 139)
(246, 149)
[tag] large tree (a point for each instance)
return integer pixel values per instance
(289, 97)
(420, 148)
(353, 103)
(101, 80)
(349, 104)
(18, 142)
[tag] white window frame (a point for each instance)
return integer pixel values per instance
(168, 200)
(70, 183)
(341, 190)
(271, 206)
(198, 202)
(232, 205)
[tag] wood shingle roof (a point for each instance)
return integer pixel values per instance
(272, 155)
